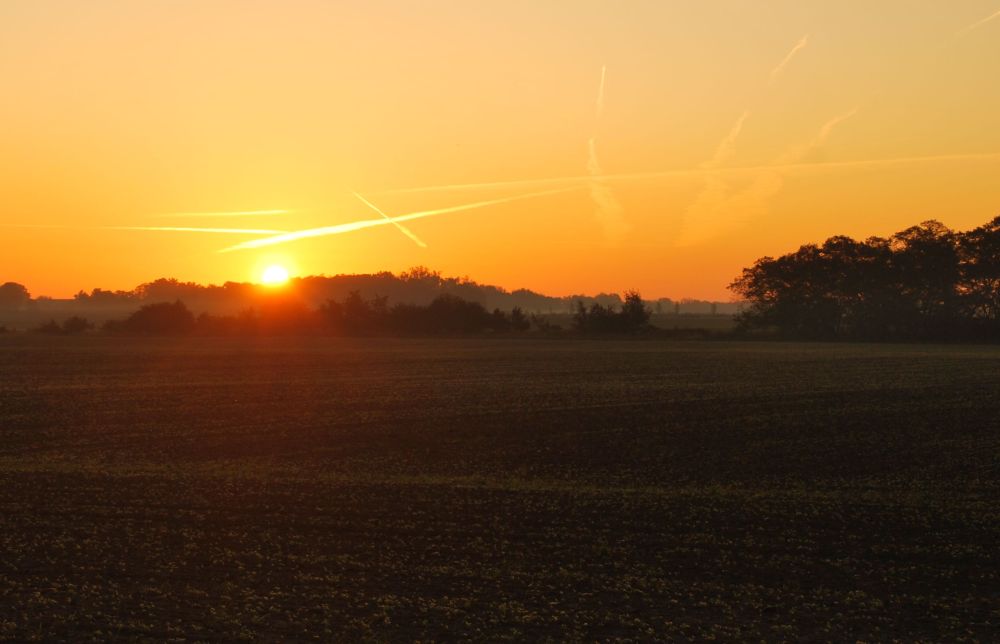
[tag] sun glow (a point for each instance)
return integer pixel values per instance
(274, 276)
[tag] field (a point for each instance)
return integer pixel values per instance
(286, 489)
(664, 321)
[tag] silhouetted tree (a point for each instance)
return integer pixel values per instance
(355, 315)
(70, 326)
(101, 297)
(634, 314)
(48, 328)
(518, 320)
(162, 318)
(925, 282)
(926, 264)
(451, 314)
(597, 318)
(499, 321)
(14, 295)
(543, 325)
(76, 324)
(980, 289)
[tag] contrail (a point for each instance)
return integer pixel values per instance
(717, 211)
(593, 165)
(600, 92)
(810, 151)
(977, 25)
(340, 229)
(727, 148)
(231, 213)
(607, 209)
(824, 132)
(695, 172)
(174, 229)
(777, 71)
(185, 229)
(715, 192)
(403, 229)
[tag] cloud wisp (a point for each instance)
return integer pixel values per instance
(600, 91)
(980, 23)
(352, 226)
(780, 68)
(403, 229)
(608, 210)
(812, 151)
(824, 132)
(705, 210)
(727, 147)
(718, 211)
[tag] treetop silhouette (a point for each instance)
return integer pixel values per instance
(927, 282)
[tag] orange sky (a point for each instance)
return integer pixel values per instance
(745, 117)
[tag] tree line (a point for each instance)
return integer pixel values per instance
(419, 285)
(356, 315)
(927, 282)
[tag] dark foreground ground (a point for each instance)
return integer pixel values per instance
(565, 490)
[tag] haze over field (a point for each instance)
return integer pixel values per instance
(648, 144)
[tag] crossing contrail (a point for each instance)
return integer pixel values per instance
(403, 229)
(340, 229)
(777, 71)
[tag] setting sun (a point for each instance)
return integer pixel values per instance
(274, 275)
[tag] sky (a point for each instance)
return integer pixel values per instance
(658, 145)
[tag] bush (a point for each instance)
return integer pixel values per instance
(518, 320)
(76, 324)
(543, 325)
(49, 328)
(633, 316)
(157, 319)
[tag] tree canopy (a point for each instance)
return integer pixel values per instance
(13, 295)
(927, 282)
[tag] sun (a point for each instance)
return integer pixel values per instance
(274, 275)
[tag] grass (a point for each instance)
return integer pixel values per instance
(509, 489)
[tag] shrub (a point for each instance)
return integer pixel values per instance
(75, 325)
(164, 318)
(49, 328)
